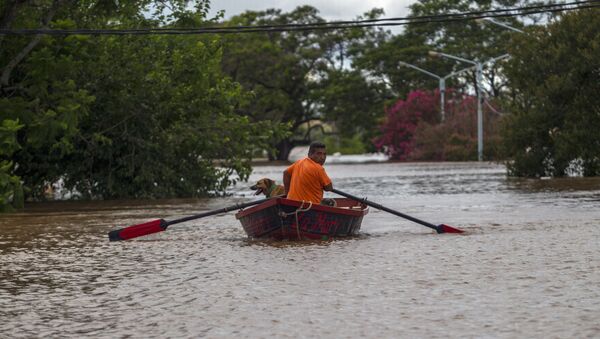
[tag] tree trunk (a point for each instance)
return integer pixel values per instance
(8, 15)
(7, 70)
(284, 147)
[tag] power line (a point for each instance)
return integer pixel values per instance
(400, 21)
(408, 20)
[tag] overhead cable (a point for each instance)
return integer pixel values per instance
(333, 25)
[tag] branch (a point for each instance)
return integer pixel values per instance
(319, 126)
(300, 122)
(10, 12)
(17, 59)
(6, 72)
(264, 84)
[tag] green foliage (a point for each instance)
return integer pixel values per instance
(300, 77)
(413, 131)
(8, 132)
(123, 116)
(467, 39)
(163, 121)
(555, 72)
(11, 190)
(353, 103)
(345, 145)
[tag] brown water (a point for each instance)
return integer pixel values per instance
(528, 267)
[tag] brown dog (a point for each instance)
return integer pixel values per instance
(268, 187)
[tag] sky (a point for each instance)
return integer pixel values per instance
(328, 9)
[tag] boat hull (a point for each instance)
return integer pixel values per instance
(285, 219)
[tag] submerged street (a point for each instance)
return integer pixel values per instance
(527, 267)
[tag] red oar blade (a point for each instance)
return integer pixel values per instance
(135, 231)
(448, 229)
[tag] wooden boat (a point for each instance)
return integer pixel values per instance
(282, 219)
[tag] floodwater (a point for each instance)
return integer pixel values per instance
(528, 266)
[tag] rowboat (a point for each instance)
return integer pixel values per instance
(281, 219)
(285, 219)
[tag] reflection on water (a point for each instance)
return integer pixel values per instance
(527, 268)
(556, 185)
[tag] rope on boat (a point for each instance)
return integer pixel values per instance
(301, 208)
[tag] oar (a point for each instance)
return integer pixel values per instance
(442, 228)
(160, 225)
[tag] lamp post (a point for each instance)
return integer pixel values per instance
(478, 81)
(479, 77)
(442, 81)
(501, 24)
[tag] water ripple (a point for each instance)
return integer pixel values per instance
(527, 267)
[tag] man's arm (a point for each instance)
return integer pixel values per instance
(325, 178)
(287, 178)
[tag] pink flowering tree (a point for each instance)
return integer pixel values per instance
(453, 140)
(412, 129)
(401, 121)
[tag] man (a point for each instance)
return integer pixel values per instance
(306, 178)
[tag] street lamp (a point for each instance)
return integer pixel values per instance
(442, 81)
(479, 71)
(490, 20)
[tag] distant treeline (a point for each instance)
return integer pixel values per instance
(150, 116)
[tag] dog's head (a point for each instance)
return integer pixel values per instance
(262, 186)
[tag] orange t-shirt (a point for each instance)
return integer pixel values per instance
(308, 180)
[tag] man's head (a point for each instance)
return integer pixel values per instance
(317, 152)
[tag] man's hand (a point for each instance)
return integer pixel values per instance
(328, 187)
(287, 178)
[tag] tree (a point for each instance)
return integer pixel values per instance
(121, 116)
(467, 39)
(413, 129)
(160, 126)
(401, 122)
(352, 103)
(11, 190)
(456, 138)
(45, 111)
(554, 71)
(299, 77)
